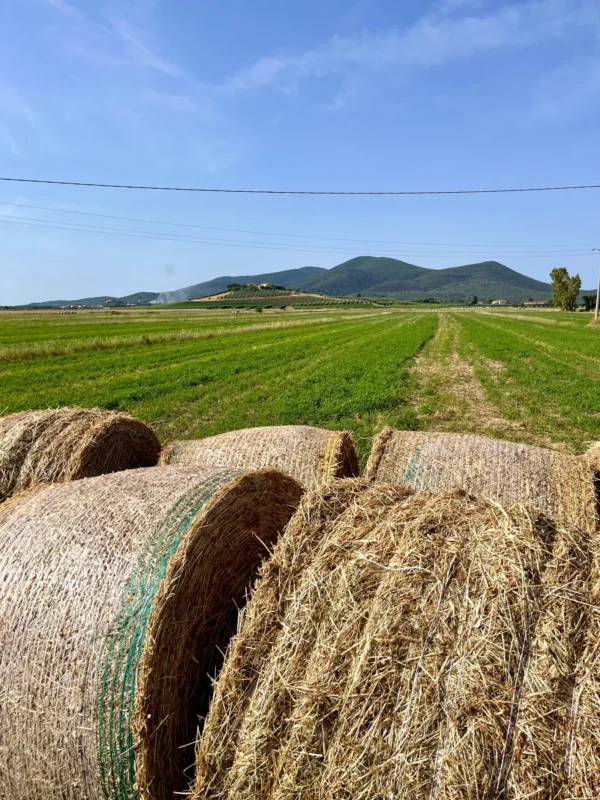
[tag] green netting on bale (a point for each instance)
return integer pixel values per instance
(122, 646)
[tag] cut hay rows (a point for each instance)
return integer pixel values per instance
(117, 598)
(558, 484)
(65, 444)
(413, 646)
(310, 455)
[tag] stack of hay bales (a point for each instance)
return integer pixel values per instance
(559, 484)
(310, 455)
(118, 595)
(65, 444)
(412, 646)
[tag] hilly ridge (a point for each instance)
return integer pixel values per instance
(371, 276)
(387, 277)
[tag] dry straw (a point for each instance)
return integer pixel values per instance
(559, 484)
(310, 455)
(117, 598)
(64, 444)
(413, 646)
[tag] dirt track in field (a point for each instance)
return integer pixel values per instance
(448, 396)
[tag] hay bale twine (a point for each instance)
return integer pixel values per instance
(412, 646)
(117, 597)
(310, 455)
(65, 444)
(559, 484)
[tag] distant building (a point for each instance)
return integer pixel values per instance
(499, 302)
(264, 285)
(535, 302)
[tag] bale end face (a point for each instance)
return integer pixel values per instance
(412, 644)
(194, 615)
(117, 442)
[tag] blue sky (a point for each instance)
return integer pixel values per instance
(370, 95)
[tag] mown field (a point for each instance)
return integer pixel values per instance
(524, 375)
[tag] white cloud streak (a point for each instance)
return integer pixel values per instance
(9, 141)
(441, 37)
(138, 52)
(63, 7)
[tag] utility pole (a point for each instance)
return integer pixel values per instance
(597, 249)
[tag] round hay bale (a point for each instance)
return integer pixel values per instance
(411, 646)
(65, 444)
(310, 455)
(118, 595)
(559, 484)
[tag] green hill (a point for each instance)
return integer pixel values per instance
(390, 278)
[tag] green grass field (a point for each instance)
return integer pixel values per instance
(526, 375)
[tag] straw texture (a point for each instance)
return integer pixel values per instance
(559, 484)
(117, 598)
(65, 444)
(312, 456)
(412, 646)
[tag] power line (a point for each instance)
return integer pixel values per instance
(215, 240)
(295, 191)
(51, 225)
(290, 235)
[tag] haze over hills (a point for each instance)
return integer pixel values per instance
(368, 275)
(290, 278)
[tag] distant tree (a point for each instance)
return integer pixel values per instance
(565, 289)
(474, 301)
(358, 294)
(589, 301)
(259, 309)
(489, 300)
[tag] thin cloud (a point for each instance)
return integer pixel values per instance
(116, 42)
(568, 89)
(9, 141)
(139, 52)
(434, 40)
(13, 104)
(176, 102)
(63, 7)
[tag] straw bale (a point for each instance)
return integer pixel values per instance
(64, 444)
(558, 484)
(118, 595)
(310, 455)
(410, 646)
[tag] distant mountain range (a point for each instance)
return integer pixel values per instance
(137, 299)
(392, 279)
(370, 276)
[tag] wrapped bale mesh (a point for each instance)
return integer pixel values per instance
(412, 646)
(310, 455)
(65, 444)
(559, 484)
(117, 598)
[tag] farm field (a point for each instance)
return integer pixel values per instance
(528, 376)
